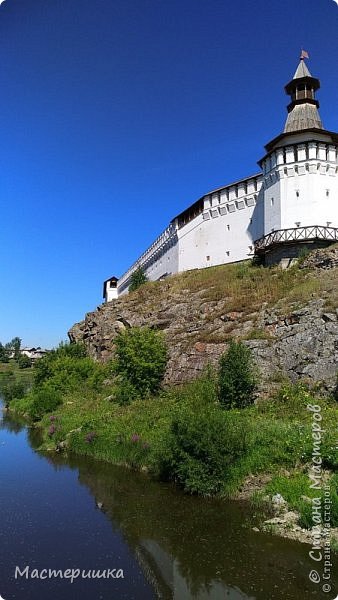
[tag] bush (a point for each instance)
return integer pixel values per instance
(237, 377)
(200, 448)
(24, 362)
(12, 389)
(43, 401)
(67, 368)
(45, 367)
(125, 392)
(137, 279)
(140, 359)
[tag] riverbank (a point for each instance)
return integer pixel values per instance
(262, 452)
(162, 538)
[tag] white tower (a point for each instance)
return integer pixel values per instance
(300, 172)
(110, 290)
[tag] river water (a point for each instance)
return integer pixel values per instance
(76, 513)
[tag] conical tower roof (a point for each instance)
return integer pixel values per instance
(302, 70)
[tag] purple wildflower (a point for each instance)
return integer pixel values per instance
(135, 437)
(51, 430)
(52, 418)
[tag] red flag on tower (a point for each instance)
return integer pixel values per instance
(304, 54)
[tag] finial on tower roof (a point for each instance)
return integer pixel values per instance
(302, 70)
(304, 54)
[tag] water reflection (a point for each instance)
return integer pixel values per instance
(8, 423)
(189, 548)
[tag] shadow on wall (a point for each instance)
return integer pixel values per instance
(256, 226)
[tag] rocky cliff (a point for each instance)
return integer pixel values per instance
(289, 320)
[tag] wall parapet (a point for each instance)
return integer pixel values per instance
(166, 239)
(298, 234)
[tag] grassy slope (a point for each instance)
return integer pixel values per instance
(212, 292)
(277, 432)
(245, 287)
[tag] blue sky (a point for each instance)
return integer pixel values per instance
(117, 114)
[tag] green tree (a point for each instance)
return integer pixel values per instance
(137, 279)
(12, 387)
(237, 377)
(4, 355)
(15, 345)
(140, 359)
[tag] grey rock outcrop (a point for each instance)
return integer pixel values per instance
(299, 343)
(323, 258)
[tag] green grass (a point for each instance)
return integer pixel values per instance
(12, 368)
(296, 490)
(242, 288)
(334, 545)
(259, 334)
(268, 438)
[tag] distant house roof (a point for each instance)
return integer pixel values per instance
(33, 349)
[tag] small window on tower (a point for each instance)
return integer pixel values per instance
(327, 193)
(272, 201)
(228, 227)
(297, 193)
(208, 258)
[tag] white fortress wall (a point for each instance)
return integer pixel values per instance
(224, 231)
(301, 185)
(219, 228)
(159, 260)
(297, 188)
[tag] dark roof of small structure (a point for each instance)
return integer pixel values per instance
(113, 278)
